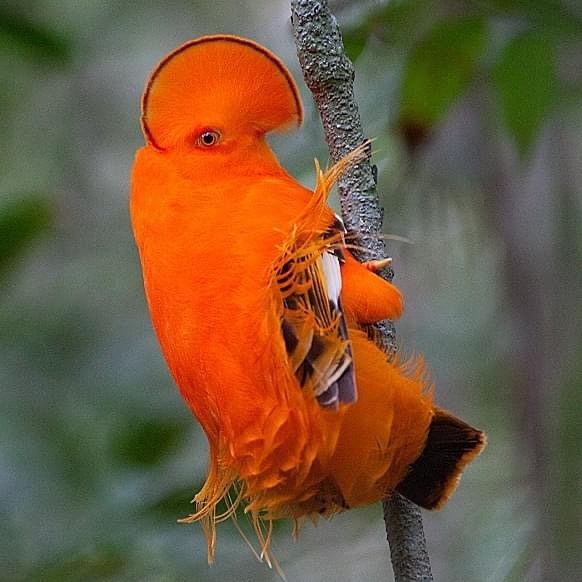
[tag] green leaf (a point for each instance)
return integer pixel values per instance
(525, 78)
(19, 32)
(548, 16)
(400, 22)
(354, 41)
(175, 503)
(21, 221)
(395, 23)
(439, 70)
(148, 442)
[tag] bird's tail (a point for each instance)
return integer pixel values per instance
(450, 446)
(394, 438)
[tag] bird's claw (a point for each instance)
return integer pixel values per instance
(377, 265)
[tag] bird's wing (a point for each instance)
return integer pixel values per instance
(313, 327)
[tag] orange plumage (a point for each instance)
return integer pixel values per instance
(258, 306)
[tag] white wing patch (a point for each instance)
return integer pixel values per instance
(332, 274)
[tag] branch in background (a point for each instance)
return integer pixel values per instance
(329, 74)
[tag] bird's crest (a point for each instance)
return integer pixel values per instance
(230, 80)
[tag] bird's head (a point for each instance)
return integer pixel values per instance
(218, 95)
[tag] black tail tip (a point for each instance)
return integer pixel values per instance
(451, 445)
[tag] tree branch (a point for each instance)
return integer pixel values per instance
(329, 74)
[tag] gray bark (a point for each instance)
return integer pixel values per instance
(329, 74)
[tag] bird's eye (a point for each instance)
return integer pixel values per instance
(208, 138)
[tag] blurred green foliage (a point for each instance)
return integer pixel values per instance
(20, 33)
(22, 220)
(144, 443)
(526, 68)
(444, 55)
(99, 456)
(438, 70)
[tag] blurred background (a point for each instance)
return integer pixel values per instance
(477, 111)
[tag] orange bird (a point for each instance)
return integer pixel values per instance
(260, 308)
